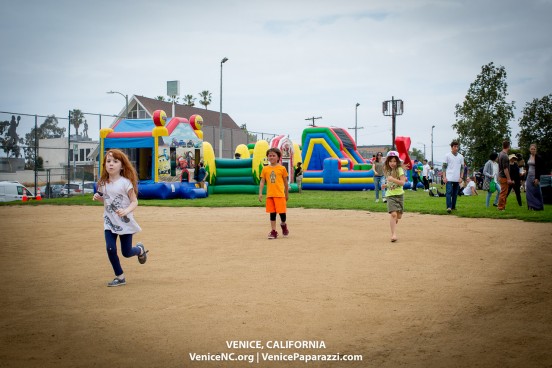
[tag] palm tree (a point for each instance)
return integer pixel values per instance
(77, 118)
(189, 100)
(205, 98)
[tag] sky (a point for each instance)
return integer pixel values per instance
(287, 60)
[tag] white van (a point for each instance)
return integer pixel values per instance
(13, 191)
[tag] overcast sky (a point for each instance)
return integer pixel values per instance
(288, 60)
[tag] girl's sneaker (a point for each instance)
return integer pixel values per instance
(285, 231)
(273, 234)
(116, 282)
(143, 257)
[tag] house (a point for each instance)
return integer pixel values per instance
(141, 107)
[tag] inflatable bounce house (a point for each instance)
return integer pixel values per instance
(242, 174)
(164, 154)
(331, 160)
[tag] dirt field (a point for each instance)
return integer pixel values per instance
(450, 293)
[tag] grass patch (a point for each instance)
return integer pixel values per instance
(419, 202)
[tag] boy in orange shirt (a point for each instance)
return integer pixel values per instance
(277, 191)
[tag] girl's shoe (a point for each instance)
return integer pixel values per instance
(273, 234)
(116, 282)
(143, 257)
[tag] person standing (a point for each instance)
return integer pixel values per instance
(277, 191)
(490, 173)
(534, 170)
(201, 175)
(394, 182)
(425, 175)
(379, 179)
(453, 167)
(514, 174)
(118, 190)
(504, 175)
(299, 177)
(415, 175)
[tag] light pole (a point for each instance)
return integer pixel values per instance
(126, 100)
(356, 128)
(220, 116)
(424, 149)
(432, 163)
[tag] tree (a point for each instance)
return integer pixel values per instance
(482, 119)
(205, 98)
(536, 127)
(9, 138)
(189, 100)
(77, 119)
(416, 154)
(160, 98)
(48, 129)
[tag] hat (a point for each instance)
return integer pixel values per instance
(393, 154)
(512, 157)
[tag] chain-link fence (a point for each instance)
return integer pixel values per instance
(42, 150)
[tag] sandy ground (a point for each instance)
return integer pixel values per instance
(451, 292)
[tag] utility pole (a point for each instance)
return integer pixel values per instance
(393, 108)
(356, 128)
(313, 119)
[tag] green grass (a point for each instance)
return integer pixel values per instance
(419, 202)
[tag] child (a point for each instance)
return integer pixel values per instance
(118, 189)
(277, 191)
(395, 180)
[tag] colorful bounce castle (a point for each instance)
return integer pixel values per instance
(164, 154)
(242, 175)
(331, 160)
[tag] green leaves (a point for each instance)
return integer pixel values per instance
(482, 120)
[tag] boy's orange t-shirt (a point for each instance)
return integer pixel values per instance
(274, 177)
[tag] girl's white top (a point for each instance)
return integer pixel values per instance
(115, 195)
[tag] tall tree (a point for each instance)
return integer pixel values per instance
(77, 119)
(205, 98)
(536, 127)
(9, 138)
(48, 129)
(482, 120)
(189, 100)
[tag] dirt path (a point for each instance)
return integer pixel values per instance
(451, 292)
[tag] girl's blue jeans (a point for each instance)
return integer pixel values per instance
(126, 249)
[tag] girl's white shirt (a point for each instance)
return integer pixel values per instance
(115, 195)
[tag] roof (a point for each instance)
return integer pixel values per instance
(210, 118)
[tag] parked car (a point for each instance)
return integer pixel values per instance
(13, 191)
(74, 188)
(52, 191)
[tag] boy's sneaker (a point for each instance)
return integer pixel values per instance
(273, 234)
(285, 231)
(116, 282)
(142, 258)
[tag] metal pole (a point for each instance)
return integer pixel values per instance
(68, 150)
(220, 114)
(393, 114)
(356, 128)
(36, 153)
(432, 162)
